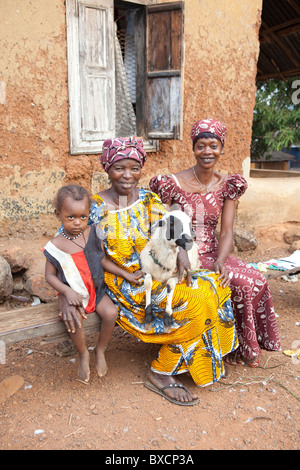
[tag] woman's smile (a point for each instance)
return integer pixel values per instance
(207, 159)
(127, 183)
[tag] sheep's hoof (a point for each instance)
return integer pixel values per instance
(167, 323)
(149, 316)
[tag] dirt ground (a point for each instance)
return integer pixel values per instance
(44, 406)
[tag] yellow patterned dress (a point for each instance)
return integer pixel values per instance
(203, 327)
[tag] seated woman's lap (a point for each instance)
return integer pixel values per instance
(195, 308)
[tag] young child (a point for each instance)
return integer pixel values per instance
(74, 267)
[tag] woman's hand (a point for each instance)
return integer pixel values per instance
(224, 277)
(70, 314)
(134, 277)
(183, 264)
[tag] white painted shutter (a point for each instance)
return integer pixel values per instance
(164, 70)
(91, 74)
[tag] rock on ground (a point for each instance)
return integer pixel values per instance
(6, 280)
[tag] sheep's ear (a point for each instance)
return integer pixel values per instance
(158, 223)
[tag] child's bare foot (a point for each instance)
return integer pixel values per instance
(101, 365)
(84, 367)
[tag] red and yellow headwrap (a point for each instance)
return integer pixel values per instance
(209, 125)
(122, 147)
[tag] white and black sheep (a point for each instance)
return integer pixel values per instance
(159, 258)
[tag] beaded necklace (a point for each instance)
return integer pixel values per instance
(74, 238)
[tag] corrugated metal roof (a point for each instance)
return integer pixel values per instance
(279, 40)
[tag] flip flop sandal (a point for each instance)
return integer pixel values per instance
(252, 364)
(161, 392)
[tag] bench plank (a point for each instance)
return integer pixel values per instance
(39, 321)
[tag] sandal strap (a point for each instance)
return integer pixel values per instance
(174, 385)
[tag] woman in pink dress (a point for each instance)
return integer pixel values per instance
(206, 195)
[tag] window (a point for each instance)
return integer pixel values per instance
(125, 70)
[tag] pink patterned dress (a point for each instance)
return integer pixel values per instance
(251, 297)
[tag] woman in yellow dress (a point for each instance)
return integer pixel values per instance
(203, 330)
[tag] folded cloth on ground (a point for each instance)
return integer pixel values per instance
(259, 266)
(281, 264)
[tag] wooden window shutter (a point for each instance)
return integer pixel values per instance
(91, 74)
(164, 70)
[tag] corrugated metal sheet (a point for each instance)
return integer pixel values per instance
(279, 40)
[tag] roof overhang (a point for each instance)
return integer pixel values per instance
(279, 36)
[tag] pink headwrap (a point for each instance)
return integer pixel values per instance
(122, 147)
(209, 125)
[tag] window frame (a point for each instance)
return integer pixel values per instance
(77, 102)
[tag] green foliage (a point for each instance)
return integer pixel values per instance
(276, 117)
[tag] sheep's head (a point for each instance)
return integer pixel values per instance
(178, 229)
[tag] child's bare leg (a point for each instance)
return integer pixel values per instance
(108, 314)
(78, 339)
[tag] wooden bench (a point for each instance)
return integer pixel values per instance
(40, 321)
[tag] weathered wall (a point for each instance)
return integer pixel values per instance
(34, 119)
(221, 51)
(269, 201)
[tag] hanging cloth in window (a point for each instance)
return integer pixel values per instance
(130, 53)
(125, 117)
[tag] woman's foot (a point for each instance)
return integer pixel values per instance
(254, 362)
(101, 364)
(236, 359)
(169, 387)
(84, 366)
(233, 359)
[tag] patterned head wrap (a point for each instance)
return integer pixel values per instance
(209, 125)
(122, 147)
